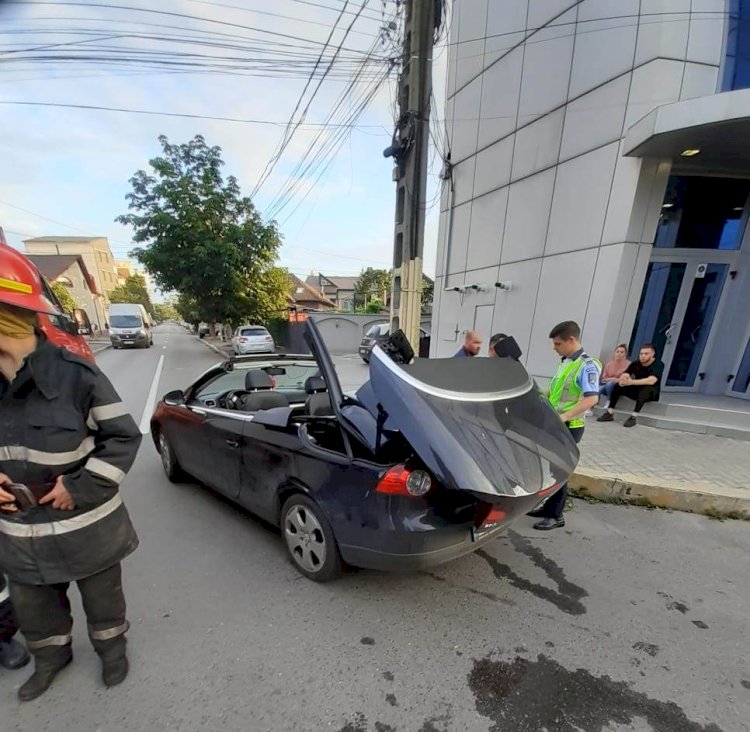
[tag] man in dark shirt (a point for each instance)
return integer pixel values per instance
(640, 382)
(471, 347)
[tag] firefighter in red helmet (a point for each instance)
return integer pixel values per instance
(66, 443)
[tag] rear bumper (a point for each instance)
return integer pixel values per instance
(129, 341)
(245, 350)
(410, 552)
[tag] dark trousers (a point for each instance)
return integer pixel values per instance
(8, 625)
(639, 394)
(555, 504)
(43, 614)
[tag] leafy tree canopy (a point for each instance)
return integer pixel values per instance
(134, 291)
(63, 294)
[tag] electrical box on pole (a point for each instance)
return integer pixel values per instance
(409, 151)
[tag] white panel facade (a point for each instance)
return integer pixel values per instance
(544, 197)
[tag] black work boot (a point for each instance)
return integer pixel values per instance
(115, 665)
(46, 668)
(12, 654)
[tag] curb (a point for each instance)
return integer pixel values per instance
(101, 348)
(214, 348)
(727, 504)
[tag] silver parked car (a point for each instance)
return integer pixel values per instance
(252, 339)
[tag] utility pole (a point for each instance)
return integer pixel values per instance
(409, 150)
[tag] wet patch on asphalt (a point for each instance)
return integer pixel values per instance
(568, 595)
(673, 604)
(526, 696)
(649, 648)
(367, 641)
(745, 683)
(681, 607)
(470, 590)
(391, 699)
(436, 723)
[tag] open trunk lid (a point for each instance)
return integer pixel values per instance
(479, 424)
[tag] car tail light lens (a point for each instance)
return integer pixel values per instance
(243, 340)
(402, 481)
(268, 338)
(548, 491)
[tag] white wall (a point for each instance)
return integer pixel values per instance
(539, 95)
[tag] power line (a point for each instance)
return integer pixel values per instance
(112, 6)
(316, 125)
(288, 132)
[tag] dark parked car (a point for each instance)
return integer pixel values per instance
(427, 462)
(379, 333)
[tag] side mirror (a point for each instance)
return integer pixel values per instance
(71, 327)
(277, 417)
(174, 398)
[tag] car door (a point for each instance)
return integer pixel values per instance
(218, 463)
(268, 459)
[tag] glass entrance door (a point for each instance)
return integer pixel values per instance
(697, 318)
(739, 381)
(677, 309)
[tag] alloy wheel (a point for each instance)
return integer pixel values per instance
(305, 538)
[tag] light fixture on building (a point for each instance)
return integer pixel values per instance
(690, 153)
(668, 205)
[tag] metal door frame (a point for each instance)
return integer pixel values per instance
(691, 258)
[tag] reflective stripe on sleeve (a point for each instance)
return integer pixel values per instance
(108, 411)
(40, 457)
(105, 470)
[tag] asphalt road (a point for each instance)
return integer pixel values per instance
(626, 619)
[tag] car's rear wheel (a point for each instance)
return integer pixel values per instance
(172, 468)
(309, 540)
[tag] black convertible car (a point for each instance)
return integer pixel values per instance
(426, 462)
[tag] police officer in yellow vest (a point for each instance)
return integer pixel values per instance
(574, 390)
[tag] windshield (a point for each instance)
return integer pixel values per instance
(253, 332)
(125, 321)
(292, 380)
(377, 330)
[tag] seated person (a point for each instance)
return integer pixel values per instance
(613, 371)
(640, 382)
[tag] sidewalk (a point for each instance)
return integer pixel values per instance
(643, 466)
(678, 470)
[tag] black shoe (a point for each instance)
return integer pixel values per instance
(549, 523)
(13, 655)
(536, 513)
(115, 670)
(43, 676)
(606, 417)
(630, 422)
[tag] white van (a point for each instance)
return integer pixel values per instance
(130, 326)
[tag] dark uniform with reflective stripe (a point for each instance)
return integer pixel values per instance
(61, 416)
(8, 626)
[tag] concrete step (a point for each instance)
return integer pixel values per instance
(701, 421)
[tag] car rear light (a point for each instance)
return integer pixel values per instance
(488, 513)
(268, 338)
(242, 340)
(549, 490)
(402, 481)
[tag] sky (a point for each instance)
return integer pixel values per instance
(66, 170)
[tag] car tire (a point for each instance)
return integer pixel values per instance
(172, 469)
(309, 540)
(366, 359)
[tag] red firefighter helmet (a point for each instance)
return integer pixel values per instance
(21, 283)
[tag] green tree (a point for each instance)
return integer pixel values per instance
(187, 307)
(164, 312)
(134, 291)
(372, 283)
(62, 293)
(428, 288)
(202, 238)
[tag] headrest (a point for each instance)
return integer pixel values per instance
(314, 385)
(255, 380)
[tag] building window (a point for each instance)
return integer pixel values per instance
(703, 213)
(737, 60)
